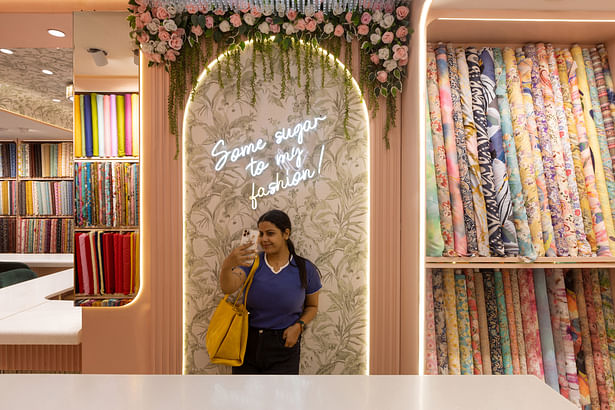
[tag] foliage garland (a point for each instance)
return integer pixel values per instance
(172, 36)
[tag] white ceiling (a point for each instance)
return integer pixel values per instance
(538, 5)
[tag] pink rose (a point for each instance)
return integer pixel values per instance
(197, 30)
(143, 37)
(235, 20)
(388, 37)
(209, 21)
(319, 16)
(141, 9)
(139, 24)
(142, 2)
(245, 8)
(400, 53)
(402, 63)
(402, 12)
(362, 30)
(381, 76)
(219, 12)
(300, 25)
(401, 32)
(146, 18)
(170, 55)
(349, 17)
(366, 18)
(388, 8)
(269, 20)
(163, 34)
(275, 28)
(374, 58)
(339, 30)
(311, 25)
(162, 13)
(291, 14)
(255, 13)
(192, 8)
(176, 42)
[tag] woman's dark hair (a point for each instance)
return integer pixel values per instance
(282, 221)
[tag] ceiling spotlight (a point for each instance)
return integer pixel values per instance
(99, 56)
(6, 51)
(70, 91)
(47, 72)
(56, 100)
(56, 33)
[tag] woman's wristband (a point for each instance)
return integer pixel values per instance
(302, 324)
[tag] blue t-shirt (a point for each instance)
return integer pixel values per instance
(276, 300)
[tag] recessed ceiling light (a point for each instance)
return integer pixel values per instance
(56, 33)
(6, 51)
(56, 100)
(47, 72)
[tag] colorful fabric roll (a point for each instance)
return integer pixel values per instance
(434, 244)
(590, 366)
(100, 110)
(463, 324)
(530, 323)
(603, 97)
(516, 296)
(82, 122)
(503, 322)
(135, 124)
(446, 215)
(121, 131)
(431, 358)
(606, 70)
(524, 152)
(596, 192)
(524, 237)
(114, 132)
(546, 332)
(607, 310)
(493, 326)
(448, 130)
(94, 124)
(480, 211)
(601, 332)
(594, 338)
(77, 127)
(128, 124)
(572, 154)
(552, 225)
(87, 109)
(107, 111)
(512, 326)
(479, 107)
(474, 323)
(440, 321)
(450, 309)
(592, 136)
(465, 185)
(496, 147)
(560, 323)
(482, 321)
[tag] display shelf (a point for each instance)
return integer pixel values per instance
(109, 159)
(46, 178)
(46, 216)
(104, 228)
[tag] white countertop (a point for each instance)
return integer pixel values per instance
(163, 392)
(40, 259)
(27, 317)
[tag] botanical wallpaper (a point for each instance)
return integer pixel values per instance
(320, 179)
(25, 90)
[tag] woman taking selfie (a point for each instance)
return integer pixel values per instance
(282, 299)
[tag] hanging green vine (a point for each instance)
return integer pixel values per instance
(172, 35)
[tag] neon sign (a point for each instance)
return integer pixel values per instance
(290, 161)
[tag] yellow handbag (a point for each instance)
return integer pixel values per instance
(227, 333)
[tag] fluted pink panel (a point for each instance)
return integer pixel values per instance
(40, 358)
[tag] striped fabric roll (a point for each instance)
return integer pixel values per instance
(610, 89)
(603, 97)
(479, 107)
(480, 211)
(465, 184)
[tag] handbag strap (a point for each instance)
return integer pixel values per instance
(248, 282)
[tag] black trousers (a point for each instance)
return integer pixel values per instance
(266, 354)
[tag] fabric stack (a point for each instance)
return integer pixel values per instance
(106, 125)
(8, 204)
(46, 198)
(520, 151)
(45, 236)
(106, 262)
(555, 324)
(46, 160)
(107, 194)
(8, 156)
(102, 303)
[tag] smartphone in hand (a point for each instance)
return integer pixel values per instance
(250, 236)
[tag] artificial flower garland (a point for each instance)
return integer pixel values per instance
(172, 36)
